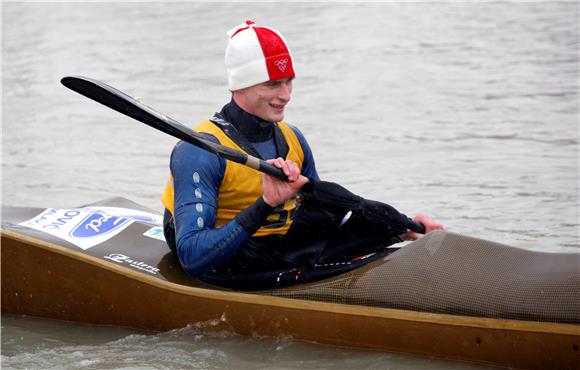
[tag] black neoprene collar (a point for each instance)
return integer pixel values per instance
(252, 127)
(245, 128)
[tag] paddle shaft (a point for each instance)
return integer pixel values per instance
(123, 103)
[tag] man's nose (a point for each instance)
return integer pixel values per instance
(285, 91)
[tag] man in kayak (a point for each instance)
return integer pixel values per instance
(235, 227)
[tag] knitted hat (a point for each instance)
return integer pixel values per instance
(255, 55)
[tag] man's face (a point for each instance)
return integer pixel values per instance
(266, 100)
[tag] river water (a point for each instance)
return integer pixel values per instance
(465, 111)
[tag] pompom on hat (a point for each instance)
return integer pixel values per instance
(255, 55)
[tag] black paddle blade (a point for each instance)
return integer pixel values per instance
(125, 104)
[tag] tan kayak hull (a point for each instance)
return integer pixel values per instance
(45, 280)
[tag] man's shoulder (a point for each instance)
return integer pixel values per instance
(208, 126)
(296, 131)
(188, 158)
(185, 148)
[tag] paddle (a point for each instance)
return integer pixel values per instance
(123, 103)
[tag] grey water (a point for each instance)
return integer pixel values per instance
(467, 111)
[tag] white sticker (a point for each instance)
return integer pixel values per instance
(156, 232)
(89, 226)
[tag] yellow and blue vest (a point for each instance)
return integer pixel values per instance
(241, 185)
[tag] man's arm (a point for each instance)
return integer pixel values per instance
(309, 170)
(200, 245)
(308, 166)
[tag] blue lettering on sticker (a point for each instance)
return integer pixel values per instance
(97, 224)
(61, 221)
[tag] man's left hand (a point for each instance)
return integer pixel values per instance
(429, 223)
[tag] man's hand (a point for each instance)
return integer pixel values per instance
(277, 192)
(429, 224)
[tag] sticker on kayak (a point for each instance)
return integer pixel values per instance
(156, 232)
(89, 226)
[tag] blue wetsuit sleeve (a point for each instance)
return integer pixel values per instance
(308, 167)
(197, 175)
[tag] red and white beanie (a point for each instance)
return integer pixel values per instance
(255, 55)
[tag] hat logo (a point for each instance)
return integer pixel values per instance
(281, 64)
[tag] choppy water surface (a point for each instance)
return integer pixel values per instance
(45, 344)
(465, 111)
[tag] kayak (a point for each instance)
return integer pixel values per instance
(444, 296)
